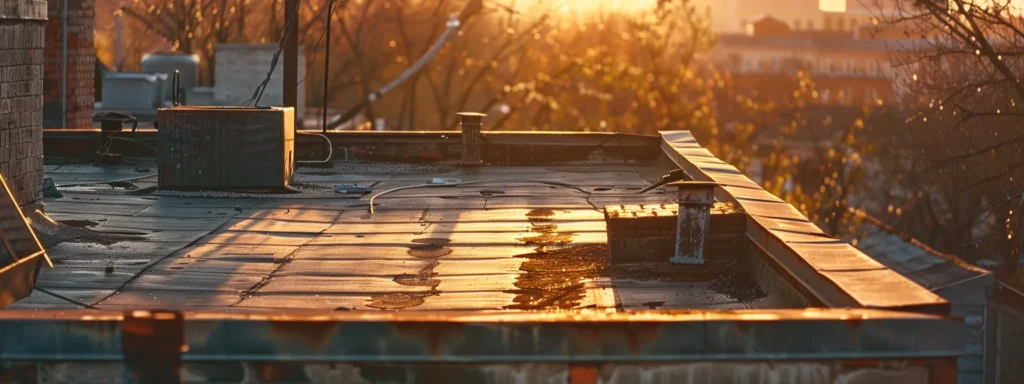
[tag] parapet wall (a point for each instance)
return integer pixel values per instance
(22, 40)
(833, 272)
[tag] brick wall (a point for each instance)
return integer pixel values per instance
(81, 63)
(22, 32)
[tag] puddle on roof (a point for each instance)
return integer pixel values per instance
(428, 251)
(553, 278)
(428, 248)
(544, 231)
(540, 215)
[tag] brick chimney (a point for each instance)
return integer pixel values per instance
(22, 25)
(81, 61)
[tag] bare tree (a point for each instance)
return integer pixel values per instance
(961, 82)
(197, 26)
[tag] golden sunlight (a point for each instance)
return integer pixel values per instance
(832, 5)
(587, 6)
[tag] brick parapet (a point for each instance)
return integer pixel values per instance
(22, 32)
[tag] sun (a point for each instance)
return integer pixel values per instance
(832, 5)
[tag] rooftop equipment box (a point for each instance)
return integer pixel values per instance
(226, 148)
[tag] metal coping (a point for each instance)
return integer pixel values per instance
(493, 337)
(836, 273)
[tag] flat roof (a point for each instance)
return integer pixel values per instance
(503, 245)
(467, 248)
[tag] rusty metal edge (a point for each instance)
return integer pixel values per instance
(496, 316)
(475, 338)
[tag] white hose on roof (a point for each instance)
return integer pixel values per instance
(490, 181)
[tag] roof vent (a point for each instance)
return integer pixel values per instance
(694, 220)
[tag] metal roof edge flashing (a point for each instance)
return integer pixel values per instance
(430, 337)
(836, 273)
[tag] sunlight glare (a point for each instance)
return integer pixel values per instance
(587, 6)
(832, 5)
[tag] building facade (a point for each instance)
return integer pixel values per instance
(847, 67)
(732, 16)
(69, 97)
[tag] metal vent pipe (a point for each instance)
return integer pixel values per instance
(471, 123)
(694, 220)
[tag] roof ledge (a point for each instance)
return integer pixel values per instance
(837, 274)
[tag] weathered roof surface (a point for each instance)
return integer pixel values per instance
(432, 249)
(498, 245)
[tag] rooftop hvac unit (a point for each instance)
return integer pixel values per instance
(226, 148)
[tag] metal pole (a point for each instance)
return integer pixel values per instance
(471, 136)
(118, 40)
(694, 220)
(64, 68)
(327, 61)
(291, 58)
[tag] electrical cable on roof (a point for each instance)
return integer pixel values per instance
(65, 298)
(327, 67)
(454, 184)
(672, 176)
(106, 150)
(113, 136)
(330, 150)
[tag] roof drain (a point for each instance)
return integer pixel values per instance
(694, 221)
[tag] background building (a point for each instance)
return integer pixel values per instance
(848, 67)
